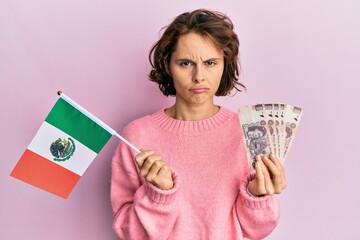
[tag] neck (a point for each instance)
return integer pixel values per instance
(192, 113)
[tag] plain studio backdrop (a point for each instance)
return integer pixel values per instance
(304, 53)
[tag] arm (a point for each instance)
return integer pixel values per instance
(142, 211)
(258, 216)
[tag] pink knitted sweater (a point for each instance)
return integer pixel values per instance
(209, 198)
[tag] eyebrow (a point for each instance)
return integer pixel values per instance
(187, 59)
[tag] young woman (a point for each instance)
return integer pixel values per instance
(191, 180)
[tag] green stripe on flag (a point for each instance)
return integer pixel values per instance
(73, 122)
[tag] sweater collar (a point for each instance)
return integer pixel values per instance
(192, 127)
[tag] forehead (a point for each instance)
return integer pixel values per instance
(196, 44)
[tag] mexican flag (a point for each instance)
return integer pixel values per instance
(63, 148)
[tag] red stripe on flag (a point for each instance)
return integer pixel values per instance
(42, 173)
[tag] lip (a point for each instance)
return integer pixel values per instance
(199, 89)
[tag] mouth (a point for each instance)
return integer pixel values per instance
(199, 89)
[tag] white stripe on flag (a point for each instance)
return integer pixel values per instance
(47, 134)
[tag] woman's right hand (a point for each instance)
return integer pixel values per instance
(154, 169)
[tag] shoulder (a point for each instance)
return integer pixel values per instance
(230, 115)
(228, 111)
(140, 126)
(232, 123)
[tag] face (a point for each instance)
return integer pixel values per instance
(196, 66)
(255, 134)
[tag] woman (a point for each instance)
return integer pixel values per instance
(192, 181)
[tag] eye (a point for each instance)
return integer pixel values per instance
(210, 63)
(186, 63)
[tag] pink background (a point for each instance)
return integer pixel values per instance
(301, 52)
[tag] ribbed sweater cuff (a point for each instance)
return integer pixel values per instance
(163, 196)
(252, 201)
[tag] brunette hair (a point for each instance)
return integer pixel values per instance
(210, 24)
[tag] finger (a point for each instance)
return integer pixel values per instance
(276, 175)
(164, 171)
(272, 168)
(140, 158)
(154, 170)
(280, 166)
(164, 179)
(258, 184)
(258, 169)
(267, 178)
(148, 162)
(276, 161)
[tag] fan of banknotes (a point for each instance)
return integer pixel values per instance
(269, 128)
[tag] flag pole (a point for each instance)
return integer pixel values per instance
(95, 119)
(127, 142)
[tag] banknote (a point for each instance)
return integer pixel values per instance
(255, 137)
(282, 114)
(269, 128)
(279, 110)
(261, 115)
(293, 117)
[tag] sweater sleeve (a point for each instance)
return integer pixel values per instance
(141, 210)
(258, 216)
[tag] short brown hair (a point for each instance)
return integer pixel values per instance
(209, 24)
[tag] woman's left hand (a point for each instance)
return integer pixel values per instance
(270, 176)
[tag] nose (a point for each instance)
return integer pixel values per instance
(198, 74)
